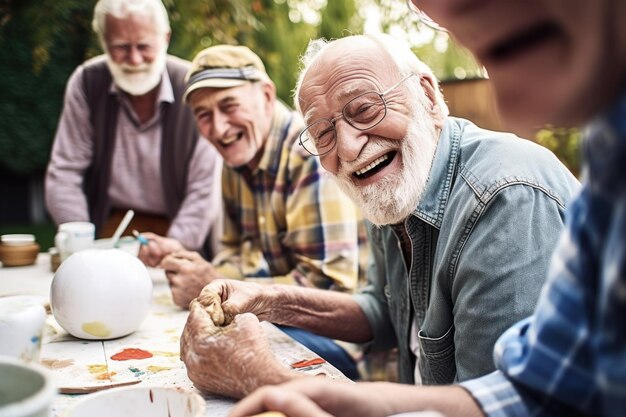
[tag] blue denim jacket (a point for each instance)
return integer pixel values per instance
(481, 240)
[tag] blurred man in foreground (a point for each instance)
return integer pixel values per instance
(563, 62)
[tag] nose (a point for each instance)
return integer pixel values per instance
(134, 55)
(350, 141)
(219, 125)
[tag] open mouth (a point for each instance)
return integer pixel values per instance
(229, 140)
(525, 40)
(375, 166)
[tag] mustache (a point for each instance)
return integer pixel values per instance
(374, 146)
(135, 69)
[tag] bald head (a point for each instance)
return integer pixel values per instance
(378, 53)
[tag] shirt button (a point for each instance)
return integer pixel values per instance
(261, 220)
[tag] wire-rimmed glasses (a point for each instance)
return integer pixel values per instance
(363, 112)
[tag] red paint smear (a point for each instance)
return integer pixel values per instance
(310, 362)
(131, 353)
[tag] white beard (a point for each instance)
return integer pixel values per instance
(138, 80)
(394, 197)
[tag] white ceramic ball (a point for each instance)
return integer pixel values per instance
(101, 294)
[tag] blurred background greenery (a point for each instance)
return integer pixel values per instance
(42, 41)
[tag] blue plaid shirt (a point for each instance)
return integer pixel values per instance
(570, 357)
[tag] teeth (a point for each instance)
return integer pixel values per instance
(229, 139)
(373, 165)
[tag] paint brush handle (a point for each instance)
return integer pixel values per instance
(123, 225)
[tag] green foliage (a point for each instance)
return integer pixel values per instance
(40, 44)
(565, 143)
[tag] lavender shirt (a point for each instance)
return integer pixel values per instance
(136, 180)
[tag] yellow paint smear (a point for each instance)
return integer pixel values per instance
(96, 369)
(95, 328)
(154, 369)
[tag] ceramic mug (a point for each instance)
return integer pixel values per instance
(22, 323)
(73, 237)
(27, 389)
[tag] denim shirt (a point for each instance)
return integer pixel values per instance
(481, 238)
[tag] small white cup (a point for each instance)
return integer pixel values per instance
(27, 389)
(73, 237)
(22, 322)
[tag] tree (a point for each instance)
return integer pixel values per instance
(40, 45)
(42, 42)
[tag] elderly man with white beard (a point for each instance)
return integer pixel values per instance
(460, 243)
(126, 139)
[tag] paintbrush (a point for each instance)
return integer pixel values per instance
(142, 240)
(120, 229)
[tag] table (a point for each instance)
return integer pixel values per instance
(80, 366)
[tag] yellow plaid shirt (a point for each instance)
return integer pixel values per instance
(287, 221)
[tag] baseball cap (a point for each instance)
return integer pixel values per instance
(223, 66)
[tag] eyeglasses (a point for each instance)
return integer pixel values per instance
(423, 17)
(122, 51)
(363, 112)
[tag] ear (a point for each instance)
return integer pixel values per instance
(269, 93)
(431, 94)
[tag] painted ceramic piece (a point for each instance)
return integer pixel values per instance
(140, 402)
(101, 294)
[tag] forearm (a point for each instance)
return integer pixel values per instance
(451, 401)
(364, 399)
(65, 202)
(328, 313)
(70, 157)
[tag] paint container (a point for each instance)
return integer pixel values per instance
(22, 322)
(139, 401)
(26, 390)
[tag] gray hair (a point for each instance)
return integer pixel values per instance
(123, 8)
(398, 50)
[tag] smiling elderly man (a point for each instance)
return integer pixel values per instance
(460, 244)
(285, 220)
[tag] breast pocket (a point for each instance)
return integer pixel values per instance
(437, 364)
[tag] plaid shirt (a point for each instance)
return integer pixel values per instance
(288, 220)
(570, 357)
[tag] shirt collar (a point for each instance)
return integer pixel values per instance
(435, 196)
(275, 142)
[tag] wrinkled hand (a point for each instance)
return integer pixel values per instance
(225, 299)
(187, 273)
(232, 360)
(158, 247)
